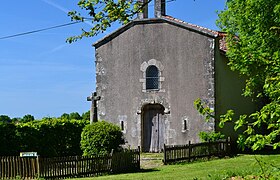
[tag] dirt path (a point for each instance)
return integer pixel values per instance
(151, 160)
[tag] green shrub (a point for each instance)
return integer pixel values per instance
(8, 139)
(100, 138)
(210, 136)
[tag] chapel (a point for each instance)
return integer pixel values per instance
(150, 71)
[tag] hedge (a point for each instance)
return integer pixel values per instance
(49, 137)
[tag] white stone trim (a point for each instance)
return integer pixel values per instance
(143, 68)
(185, 124)
(123, 119)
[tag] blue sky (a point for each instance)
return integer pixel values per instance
(42, 75)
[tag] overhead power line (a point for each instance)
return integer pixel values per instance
(39, 30)
(53, 27)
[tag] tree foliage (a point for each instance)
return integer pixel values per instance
(86, 115)
(5, 119)
(210, 136)
(8, 139)
(65, 116)
(75, 115)
(27, 118)
(253, 42)
(103, 13)
(72, 115)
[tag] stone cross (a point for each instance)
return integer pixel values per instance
(93, 109)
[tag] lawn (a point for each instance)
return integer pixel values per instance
(241, 165)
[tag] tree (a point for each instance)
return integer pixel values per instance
(75, 115)
(103, 13)
(5, 119)
(253, 42)
(16, 120)
(86, 116)
(27, 118)
(65, 116)
(8, 138)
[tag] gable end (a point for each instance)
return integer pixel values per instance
(165, 19)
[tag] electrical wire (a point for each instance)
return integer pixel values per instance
(39, 30)
(53, 27)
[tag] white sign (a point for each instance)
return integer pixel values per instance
(28, 154)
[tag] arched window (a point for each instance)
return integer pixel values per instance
(152, 78)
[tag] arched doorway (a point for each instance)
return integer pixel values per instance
(152, 128)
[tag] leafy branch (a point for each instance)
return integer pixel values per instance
(103, 13)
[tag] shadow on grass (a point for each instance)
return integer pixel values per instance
(148, 170)
(267, 150)
(199, 160)
(138, 171)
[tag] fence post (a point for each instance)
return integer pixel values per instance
(38, 167)
(209, 149)
(189, 151)
(111, 153)
(164, 154)
(138, 159)
(78, 166)
(112, 163)
(228, 146)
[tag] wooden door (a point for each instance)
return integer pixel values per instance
(153, 128)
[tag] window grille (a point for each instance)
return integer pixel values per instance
(152, 78)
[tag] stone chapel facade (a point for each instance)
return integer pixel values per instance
(150, 71)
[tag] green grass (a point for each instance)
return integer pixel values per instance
(243, 165)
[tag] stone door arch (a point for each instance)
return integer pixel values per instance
(152, 128)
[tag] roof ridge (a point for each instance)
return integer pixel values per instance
(190, 24)
(222, 35)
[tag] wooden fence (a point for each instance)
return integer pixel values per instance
(126, 161)
(12, 167)
(66, 167)
(190, 152)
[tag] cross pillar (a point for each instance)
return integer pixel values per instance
(93, 109)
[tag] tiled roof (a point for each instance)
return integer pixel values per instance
(199, 28)
(222, 41)
(171, 20)
(221, 35)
